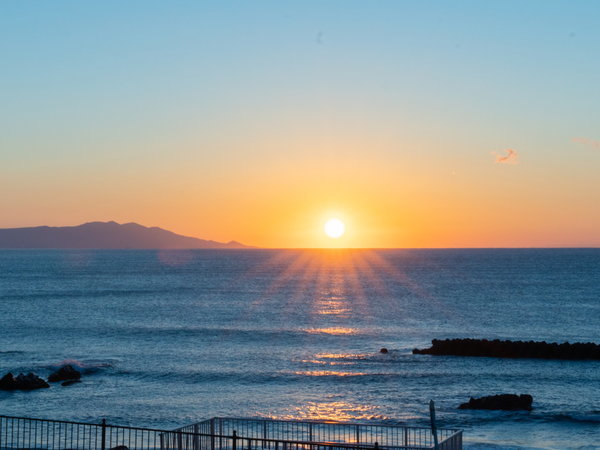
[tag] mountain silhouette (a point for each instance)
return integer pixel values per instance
(104, 235)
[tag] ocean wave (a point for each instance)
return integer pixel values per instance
(585, 417)
(575, 417)
(91, 294)
(86, 366)
(490, 446)
(400, 355)
(288, 377)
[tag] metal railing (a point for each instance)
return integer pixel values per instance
(213, 434)
(317, 432)
(25, 432)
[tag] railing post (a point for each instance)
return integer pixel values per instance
(212, 434)
(433, 424)
(405, 437)
(196, 441)
(234, 437)
(264, 443)
(179, 441)
(103, 434)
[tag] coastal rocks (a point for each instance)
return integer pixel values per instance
(31, 381)
(383, 350)
(506, 402)
(7, 382)
(512, 349)
(22, 382)
(65, 373)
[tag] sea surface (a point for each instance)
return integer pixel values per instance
(167, 338)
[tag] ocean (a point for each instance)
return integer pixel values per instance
(167, 338)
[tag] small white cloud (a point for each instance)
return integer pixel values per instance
(510, 156)
(587, 142)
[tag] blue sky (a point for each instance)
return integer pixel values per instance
(99, 98)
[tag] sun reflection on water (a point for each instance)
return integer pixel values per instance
(329, 292)
(340, 356)
(337, 331)
(334, 285)
(324, 373)
(338, 411)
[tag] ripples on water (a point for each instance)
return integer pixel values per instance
(170, 337)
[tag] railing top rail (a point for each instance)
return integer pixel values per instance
(320, 422)
(107, 425)
(184, 433)
(452, 436)
(50, 420)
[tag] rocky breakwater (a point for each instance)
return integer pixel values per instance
(506, 402)
(22, 382)
(67, 374)
(512, 349)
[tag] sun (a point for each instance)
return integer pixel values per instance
(335, 228)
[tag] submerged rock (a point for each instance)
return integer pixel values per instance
(22, 382)
(383, 350)
(120, 447)
(69, 382)
(511, 349)
(506, 402)
(65, 373)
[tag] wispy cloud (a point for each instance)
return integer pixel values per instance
(588, 142)
(509, 156)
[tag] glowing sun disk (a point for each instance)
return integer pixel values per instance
(335, 228)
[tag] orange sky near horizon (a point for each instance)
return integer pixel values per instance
(383, 204)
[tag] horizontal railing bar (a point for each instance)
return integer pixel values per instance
(52, 420)
(323, 422)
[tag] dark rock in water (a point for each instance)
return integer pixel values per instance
(120, 447)
(7, 382)
(512, 349)
(30, 381)
(506, 402)
(70, 382)
(22, 382)
(383, 350)
(65, 373)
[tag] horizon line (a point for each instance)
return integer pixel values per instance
(252, 248)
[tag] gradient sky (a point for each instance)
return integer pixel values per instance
(420, 124)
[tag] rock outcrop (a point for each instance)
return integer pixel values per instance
(22, 382)
(65, 373)
(512, 349)
(506, 402)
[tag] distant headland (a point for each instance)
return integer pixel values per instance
(105, 235)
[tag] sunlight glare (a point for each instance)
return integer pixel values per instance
(335, 228)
